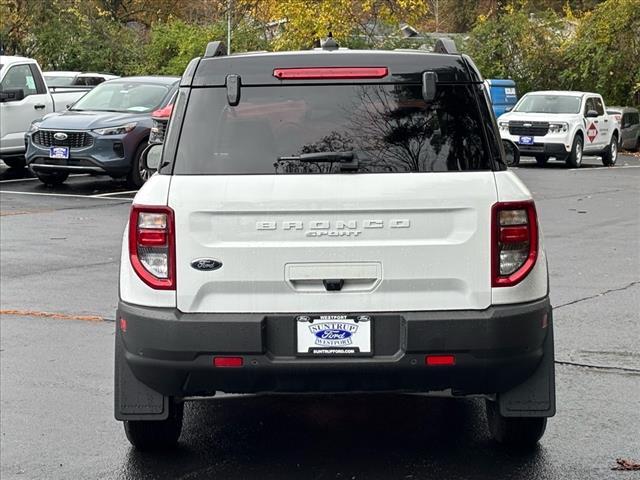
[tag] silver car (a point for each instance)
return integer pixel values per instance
(629, 120)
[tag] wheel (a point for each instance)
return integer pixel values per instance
(512, 154)
(139, 172)
(610, 155)
(52, 178)
(541, 160)
(156, 434)
(15, 162)
(514, 431)
(575, 157)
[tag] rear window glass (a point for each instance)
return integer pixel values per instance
(375, 128)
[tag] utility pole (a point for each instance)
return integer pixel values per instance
(228, 27)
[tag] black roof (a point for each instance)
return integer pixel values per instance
(257, 68)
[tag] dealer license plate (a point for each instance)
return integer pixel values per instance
(525, 140)
(334, 335)
(59, 152)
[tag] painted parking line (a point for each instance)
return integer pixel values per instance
(109, 194)
(18, 180)
(601, 168)
(11, 180)
(64, 195)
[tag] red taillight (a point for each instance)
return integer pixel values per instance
(514, 234)
(228, 362)
(152, 238)
(439, 360)
(514, 241)
(163, 113)
(328, 73)
(152, 247)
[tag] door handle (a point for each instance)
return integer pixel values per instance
(39, 106)
(605, 121)
(595, 121)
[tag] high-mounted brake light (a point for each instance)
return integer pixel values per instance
(514, 239)
(152, 248)
(329, 73)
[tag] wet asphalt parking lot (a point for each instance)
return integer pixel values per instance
(60, 250)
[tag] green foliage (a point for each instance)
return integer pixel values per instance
(73, 41)
(174, 43)
(528, 49)
(605, 53)
(540, 44)
(598, 52)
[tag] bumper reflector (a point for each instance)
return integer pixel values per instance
(229, 362)
(439, 360)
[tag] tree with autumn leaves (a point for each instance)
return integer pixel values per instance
(560, 44)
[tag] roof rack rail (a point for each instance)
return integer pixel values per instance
(215, 49)
(445, 45)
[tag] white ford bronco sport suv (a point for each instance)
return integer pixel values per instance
(333, 221)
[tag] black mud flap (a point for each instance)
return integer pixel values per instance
(535, 397)
(133, 399)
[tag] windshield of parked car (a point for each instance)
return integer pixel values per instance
(58, 80)
(129, 97)
(549, 104)
(361, 128)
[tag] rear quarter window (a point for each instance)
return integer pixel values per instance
(388, 128)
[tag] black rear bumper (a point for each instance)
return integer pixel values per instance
(495, 349)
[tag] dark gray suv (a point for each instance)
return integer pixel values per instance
(105, 132)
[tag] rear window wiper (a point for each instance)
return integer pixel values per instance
(343, 157)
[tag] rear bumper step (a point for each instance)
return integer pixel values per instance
(495, 349)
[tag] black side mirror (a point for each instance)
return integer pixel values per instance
(512, 154)
(13, 95)
(591, 114)
(151, 157)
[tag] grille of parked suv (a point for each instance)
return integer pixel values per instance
(158, 131)
(537, 129)
(45, 138)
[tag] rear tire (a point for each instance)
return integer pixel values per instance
(15, 162)
(52, 178)
(610, 155)
(137, 175)
(541, 160)
(519, 432)
(574, 160)
(148, 435)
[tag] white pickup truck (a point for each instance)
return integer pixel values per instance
(562, 124)
(25, 97)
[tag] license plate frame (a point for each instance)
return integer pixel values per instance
(331, 335)
(525, 140)
(59, 153)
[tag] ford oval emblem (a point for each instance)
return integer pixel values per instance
(333, 334)
(206, 264)
(60, 136)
